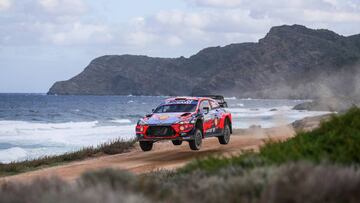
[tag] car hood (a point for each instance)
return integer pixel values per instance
(166, 118)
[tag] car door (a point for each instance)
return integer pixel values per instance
(216, 114)
(208, 118)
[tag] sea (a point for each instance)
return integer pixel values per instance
(37, 125)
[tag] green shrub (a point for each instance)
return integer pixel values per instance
(335, 141)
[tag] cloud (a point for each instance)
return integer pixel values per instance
(188, 19)
(175, 41)
(201, 28)
(140, 38)
(5, 4)
(79, 33)
(63, 7)
(168, 31)
(217, 3)
(327, 16)
(266, 5)
(285, 10)
(51, 22)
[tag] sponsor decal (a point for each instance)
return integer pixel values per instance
(163, 117)
(185, 101)
(211, 130)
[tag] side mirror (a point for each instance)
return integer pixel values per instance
(223, 105)
(152, 110)
(206, 110)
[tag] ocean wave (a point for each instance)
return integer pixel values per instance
(255, 109)
(50, 138)
(269, 117)
(121, 121)
(230, 98)
(12, 154)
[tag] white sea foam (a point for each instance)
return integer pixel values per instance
(230, 98)
(121, 121)
(269, 117)
(12, 154)
(56, 138)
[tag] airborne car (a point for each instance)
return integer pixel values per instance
(182, 119)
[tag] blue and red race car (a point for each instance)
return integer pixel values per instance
(188, 119)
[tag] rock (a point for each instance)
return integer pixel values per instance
(304, 106)
(309, 123)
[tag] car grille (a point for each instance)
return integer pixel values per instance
(160, 131)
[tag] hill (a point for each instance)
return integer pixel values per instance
(289, 62)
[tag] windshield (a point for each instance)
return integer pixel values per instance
(172, 108)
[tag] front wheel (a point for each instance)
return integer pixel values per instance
(225, 138)
(146, 146)
(195, 144)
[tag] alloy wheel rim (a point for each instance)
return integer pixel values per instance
(198, 140)
(227, 135)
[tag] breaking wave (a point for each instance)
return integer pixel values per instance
(33, 140)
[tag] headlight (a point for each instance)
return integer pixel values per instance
(187, 121)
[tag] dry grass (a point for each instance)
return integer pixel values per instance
(297, 182)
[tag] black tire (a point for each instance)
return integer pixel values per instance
(225, 138)
(177, 142)
(195, 144)
(146, 146)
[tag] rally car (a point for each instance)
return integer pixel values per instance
(182, 119)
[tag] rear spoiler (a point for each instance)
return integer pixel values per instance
(220, 99)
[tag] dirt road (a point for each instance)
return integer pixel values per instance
(163, 156)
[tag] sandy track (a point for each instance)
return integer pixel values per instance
(163, 156)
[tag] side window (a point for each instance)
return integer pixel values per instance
(204, 103)
(214, 105)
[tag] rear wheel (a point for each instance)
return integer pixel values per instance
(145, 145)
(177, 142)
(225, 138)
(195, 144)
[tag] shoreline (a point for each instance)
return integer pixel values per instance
(169, 157)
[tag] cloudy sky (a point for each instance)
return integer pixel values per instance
(42, 41)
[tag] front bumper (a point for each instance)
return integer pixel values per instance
(183, 136)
